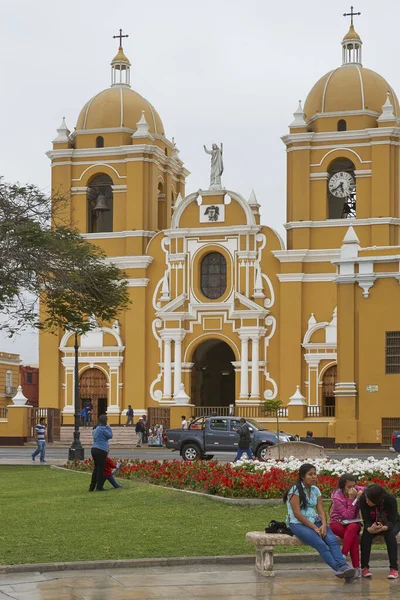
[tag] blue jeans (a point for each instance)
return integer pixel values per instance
(111, 479)
(241, 451)
(41, 449)
(327, 547)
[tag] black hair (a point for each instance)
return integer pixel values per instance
(103, 420)
(42, 420)
(242, 420)
(375, 493)
(343, 479)
(304, 469)
(309, 433)
(183, 417)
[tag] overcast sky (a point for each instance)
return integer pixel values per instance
(216, 70)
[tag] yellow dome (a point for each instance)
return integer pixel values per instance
(118, 106)
(120, 57)
(351, 34)
(350, 87)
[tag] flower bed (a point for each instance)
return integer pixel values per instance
(253, 479)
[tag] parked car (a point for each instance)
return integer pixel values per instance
(395, 441)
(208, 434)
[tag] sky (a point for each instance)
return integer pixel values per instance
(216, 71)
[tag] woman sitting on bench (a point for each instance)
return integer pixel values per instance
(307, 520)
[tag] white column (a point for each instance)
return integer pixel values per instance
(244, 368)
(255, 376)
(167, 368)
(178, 366)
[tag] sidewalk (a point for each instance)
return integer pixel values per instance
(224, 582)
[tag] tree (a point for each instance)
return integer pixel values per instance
(44, 261)
(273, 406)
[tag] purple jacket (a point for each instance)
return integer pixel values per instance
(343, 508)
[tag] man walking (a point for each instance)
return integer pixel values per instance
(129, 414)
(139, 430)
(244, 440)
(41, 441)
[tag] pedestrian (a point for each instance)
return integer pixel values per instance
(40, 440)
(345, 519)
(184, 424)
(244, 444)
(139, 430)
(83, 416)
(129, 414)
(110, 470)
(380, 515)
(309, 438)
(307, 520)
(101, 436)
(89, 412)
(145, 429)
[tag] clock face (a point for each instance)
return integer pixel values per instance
(341, 184)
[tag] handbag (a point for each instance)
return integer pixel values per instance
(278, 527)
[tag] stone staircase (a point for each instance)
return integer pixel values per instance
(123, 437)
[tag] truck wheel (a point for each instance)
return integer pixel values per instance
(262, 451)
(190, 452)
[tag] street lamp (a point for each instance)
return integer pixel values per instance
(76, 450)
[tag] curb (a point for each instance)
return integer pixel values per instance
(240, 559)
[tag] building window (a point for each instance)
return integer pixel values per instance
(9, 379)
(213, 275)
(29, 377)
(342, 125)
(99, 141)
(392, 352)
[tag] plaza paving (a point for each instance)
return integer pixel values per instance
(228, 582)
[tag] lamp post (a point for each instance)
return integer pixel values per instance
(76, 450)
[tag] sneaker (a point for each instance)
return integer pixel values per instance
(358, 573)
(33, 458)
(42, 461)
(393, 574)
(345, 572)
(366, 573)
(351, 579)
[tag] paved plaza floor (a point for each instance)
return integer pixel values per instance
(228, 582)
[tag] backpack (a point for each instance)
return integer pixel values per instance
(278, 527)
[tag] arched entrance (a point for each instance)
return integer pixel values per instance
(328, 388)
(213, 375)
(93, 386)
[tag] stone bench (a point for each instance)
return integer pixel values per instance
(265, 543)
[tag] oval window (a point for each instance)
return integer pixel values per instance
(213, 275)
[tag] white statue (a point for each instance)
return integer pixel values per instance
(217, 166)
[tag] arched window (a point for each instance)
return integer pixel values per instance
(213, 275)
(99, 141)
(341, 125)
(161, 210)
(341, 189)
(100, 204)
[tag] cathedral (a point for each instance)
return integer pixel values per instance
(225, 314)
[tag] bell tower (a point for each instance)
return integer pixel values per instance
(343, 157)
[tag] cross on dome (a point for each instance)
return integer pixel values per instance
(120, 36)
(351, 14)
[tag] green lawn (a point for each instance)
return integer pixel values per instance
(49, 516)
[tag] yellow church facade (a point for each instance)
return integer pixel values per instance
(223, 311)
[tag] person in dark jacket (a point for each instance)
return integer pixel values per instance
(101, 436)
(244, 440)
(129, 416)
(139, 428)
(380, 516)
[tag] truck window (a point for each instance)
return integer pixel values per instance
(235, 424)
(219, 424)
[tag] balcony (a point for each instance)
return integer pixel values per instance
(10, 391)
(321, 411)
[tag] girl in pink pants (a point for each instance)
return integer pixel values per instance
(345, 507)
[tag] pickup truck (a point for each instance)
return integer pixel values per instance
(211, 434)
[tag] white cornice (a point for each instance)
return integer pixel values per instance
(212, 231)
(139, 282)
(306, 277)
(342, 223)
(341, 137)
(111, 235)
(308, 256)
(130, 262)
